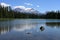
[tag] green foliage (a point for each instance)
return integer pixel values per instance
(53, 15)
(7, 12)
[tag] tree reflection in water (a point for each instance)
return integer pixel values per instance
(53, 24)
(5, 26)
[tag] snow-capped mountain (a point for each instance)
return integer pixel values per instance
(22, 9)
(26, 10)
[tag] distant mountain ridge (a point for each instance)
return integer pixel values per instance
(28, 10)
(21, 9)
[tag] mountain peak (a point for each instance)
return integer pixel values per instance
(24, 9)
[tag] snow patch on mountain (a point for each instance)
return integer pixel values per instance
(24, 9)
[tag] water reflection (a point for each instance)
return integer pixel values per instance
(53, 24)
(23, 27)
(32, 29)
(5, 26)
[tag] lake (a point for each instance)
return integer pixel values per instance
(30, 29)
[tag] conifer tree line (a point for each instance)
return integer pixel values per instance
(7, 12)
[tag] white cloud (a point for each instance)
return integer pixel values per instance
(4, 4)
(29, 4)
(22, 7)
(38, 6)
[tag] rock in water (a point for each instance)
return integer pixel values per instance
(42, 28)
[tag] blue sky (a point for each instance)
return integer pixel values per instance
(40, 5)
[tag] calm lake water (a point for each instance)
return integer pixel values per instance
(30, 29)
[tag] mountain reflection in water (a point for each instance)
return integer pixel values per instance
(29, 29)
(23, 27)
(7, 26)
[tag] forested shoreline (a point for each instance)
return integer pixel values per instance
(7, 12)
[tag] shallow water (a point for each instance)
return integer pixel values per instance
(30, 29)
